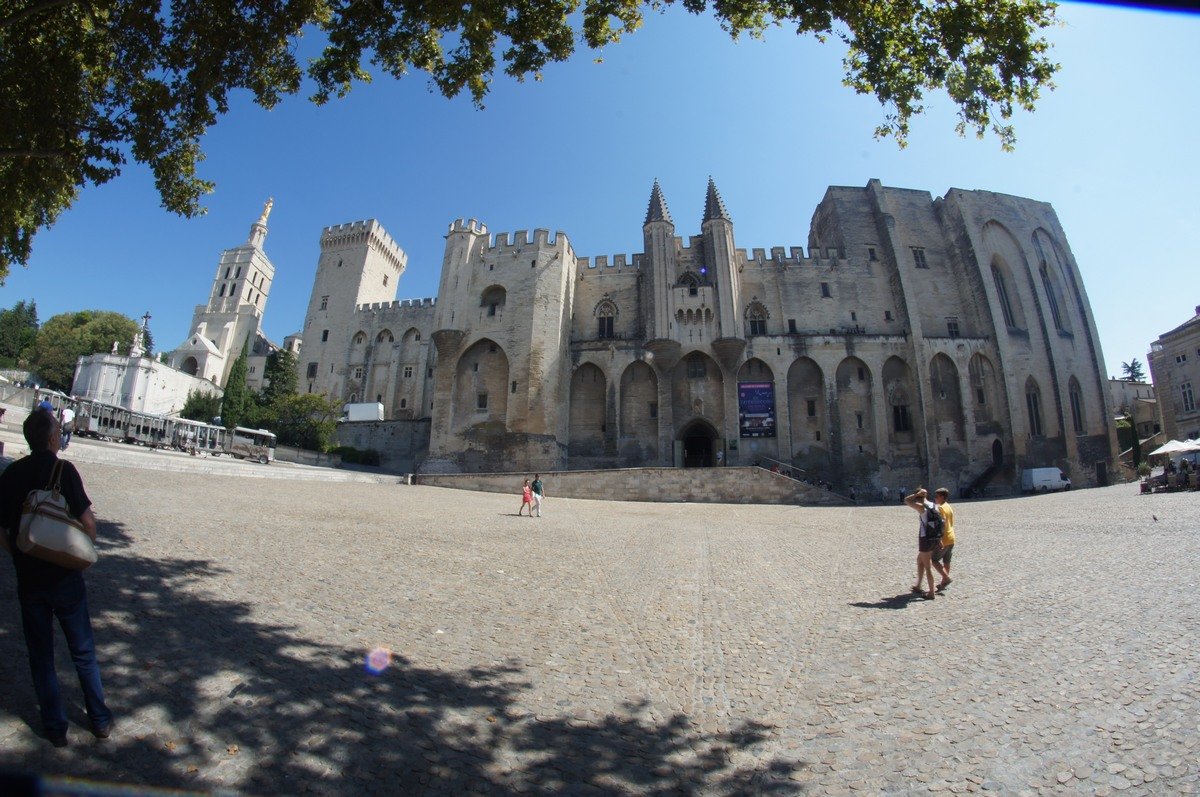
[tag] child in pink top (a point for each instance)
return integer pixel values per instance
(526, 499)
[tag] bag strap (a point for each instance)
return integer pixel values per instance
(55, 482)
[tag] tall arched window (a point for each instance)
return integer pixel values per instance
(1033, 404)
(1002, 295)
(1048, 286)
(606, 311)
(756, 319)
(1075, 394)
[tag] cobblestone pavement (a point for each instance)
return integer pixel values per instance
(622, 647)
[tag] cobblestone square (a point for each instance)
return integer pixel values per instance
(623, 647)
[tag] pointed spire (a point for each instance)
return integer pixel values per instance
(714, 208)
(658, 206)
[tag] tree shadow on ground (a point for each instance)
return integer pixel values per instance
(235, 702)
(900, 601)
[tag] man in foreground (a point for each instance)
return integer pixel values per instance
(46, 590)
(928, 539)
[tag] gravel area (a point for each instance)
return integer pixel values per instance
(622, 647)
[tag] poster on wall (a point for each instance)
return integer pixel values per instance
(756, 409)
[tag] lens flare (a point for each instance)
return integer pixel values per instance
(378, 660)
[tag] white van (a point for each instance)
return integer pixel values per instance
(1040, 480)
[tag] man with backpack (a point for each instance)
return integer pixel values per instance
(929, 539)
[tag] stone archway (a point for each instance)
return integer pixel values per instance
(698, 440)
(190, 366)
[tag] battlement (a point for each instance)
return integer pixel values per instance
(520, 240)
(369, 232)
(468, 225)
(397, 304)
(618, 262)
(793, 256)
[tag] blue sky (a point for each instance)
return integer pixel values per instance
(1113, 149)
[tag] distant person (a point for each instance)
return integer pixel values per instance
(526, 499)
(927, 540)
(941, 558)
(47, 591)
(539, 492)
(68, 426)
(720, 458)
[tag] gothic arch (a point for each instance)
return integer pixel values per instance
(481, 387)
(492, 300)
(385, 336)
(359, 338)
(1079, 419)
(856, 409)
(901, 396)
(808, 413)
(190, 366)
(698, 389)
(985, 389)
(946, 400)
(639, 413)
(1008, 275)
(587, 411)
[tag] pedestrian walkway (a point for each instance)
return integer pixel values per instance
(279, 637)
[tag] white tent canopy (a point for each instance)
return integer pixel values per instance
(1176, 447)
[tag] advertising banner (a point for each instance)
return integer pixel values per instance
(756, 409)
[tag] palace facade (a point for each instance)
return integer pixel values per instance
(943, 341)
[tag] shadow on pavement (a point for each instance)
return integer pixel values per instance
(254, 706)
(895, 602)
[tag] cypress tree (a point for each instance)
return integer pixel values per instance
(237, 394)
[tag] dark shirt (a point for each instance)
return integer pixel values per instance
(18, 479)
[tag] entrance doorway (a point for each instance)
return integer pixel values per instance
(997, 453)
(699, 438)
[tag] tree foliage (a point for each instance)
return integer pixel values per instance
(18, 331)
(86, 85)
(306, 420)
(66, 337)
(201, 406)
(1133, 371)
(280, 375)
(236, 405)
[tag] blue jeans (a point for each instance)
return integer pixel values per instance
(68, 602)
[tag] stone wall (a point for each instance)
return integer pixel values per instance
(734, 485)
(401, 444)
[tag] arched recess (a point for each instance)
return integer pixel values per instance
(809, 413)
(360, 338)
(492, 301)
(190, 366)
(1007, 278)
(410, 373)
(481, 388)
(946, 403)
(698, 390)
(698, 441)
(760, 418)
(586, 425)
(901, 396)
(385, 336)
(756, 319)
(985, 390)
(1078, 418)
(856, 409)
(639, 414)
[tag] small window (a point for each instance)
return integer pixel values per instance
(853, 316)
(312, 371)
(513, 388)
(858, 417)
(324, 302)
(901, 419)
(952, 327)
(238, 274)
(1189, 399)
(980, 397)
(475, 367)
(385, 279)
(919, 257)
(887, 315)
(533, 264)
(408, 372)
(417, 336)
(792, 326)
(492, 347)
(825, 294)
(818, 435)
(252, 368)
(605, 324)
(1180, 359)
(222, 289)
(481, 401)
(429, 374)
(358, 372)
(862, 375)
(812, 408)
(324, 335)
(227, 270)
(653, 409)
(871, 254)
(403, 403)
(695, 367)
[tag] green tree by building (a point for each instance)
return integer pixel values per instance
(235, 409)
(66, 337)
